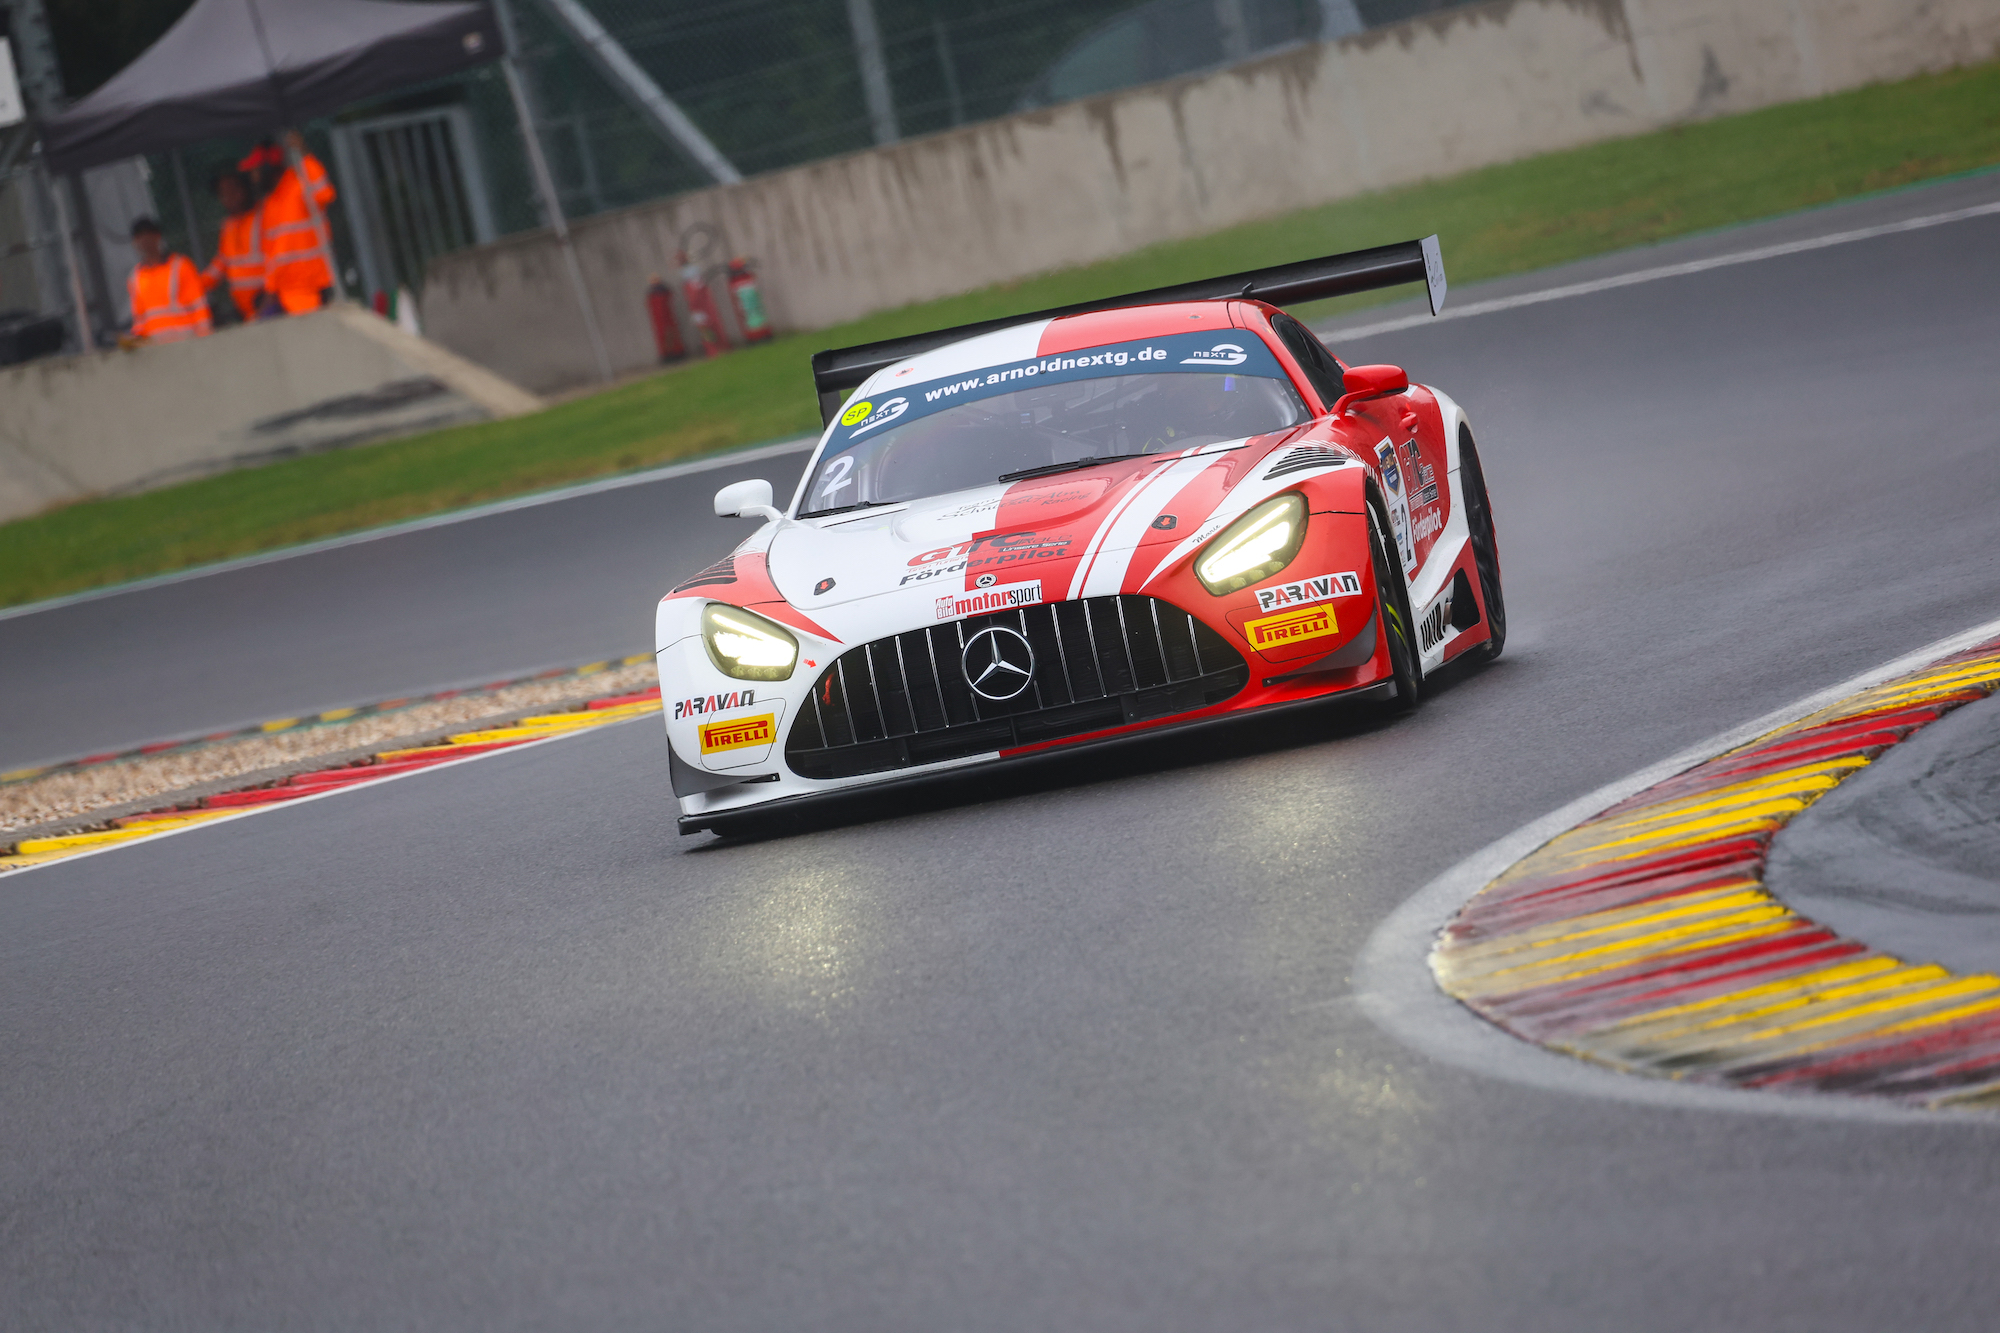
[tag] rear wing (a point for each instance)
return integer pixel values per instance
(840, 370)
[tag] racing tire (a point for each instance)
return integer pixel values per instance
(1485, 548)
(1392, 609)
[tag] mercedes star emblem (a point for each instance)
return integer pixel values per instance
(999, 663)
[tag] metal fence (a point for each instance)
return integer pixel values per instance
(775, 83)
(771, 83)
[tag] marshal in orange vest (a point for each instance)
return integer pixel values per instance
(239, 250)
(296, 254)
(169, 299)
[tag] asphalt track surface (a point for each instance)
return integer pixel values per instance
(1907, 855)
(492, 598)
(1074, 1047)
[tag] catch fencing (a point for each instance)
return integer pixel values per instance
(1055, 186)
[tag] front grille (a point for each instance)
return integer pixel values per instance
(1099, 662)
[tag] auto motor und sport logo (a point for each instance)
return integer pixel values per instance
(1288, 627)
(739, 733)
(1321, 588)
(998, 663)
(996, 599)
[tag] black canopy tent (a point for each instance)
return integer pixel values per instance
(248, 67)
(252, 67)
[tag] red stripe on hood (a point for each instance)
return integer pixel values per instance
(1044, 525)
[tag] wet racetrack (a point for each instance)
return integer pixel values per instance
(1069, 1047)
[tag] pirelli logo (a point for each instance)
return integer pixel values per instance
(738, 733)
(1287, 627)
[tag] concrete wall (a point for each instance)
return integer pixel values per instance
(1008, 198)
(112, 422)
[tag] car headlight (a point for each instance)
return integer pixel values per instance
(1255, 546)
(745, 645)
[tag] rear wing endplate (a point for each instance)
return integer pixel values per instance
(839, 371)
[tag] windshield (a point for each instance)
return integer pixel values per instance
(942, 436)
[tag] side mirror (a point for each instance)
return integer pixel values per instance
(1374, 379)
(1369, 382)
(746, 499)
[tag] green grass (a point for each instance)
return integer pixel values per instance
(1508, 219)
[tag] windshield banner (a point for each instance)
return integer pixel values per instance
(1227, 351)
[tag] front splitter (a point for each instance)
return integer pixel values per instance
(757, 818)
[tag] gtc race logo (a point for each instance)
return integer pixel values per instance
(713, 703)
(740, 733)
(1222, 354)
(999, 599)
(1324, 588)
(1001, 543)
(1000, 549)
(1312, 622)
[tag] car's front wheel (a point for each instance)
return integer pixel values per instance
(1392, 612)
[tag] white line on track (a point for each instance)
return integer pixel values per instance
(9, 875)
(1638, 276)
(617, 483)
(1393, 983)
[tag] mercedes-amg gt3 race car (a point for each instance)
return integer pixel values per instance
(1101, 522)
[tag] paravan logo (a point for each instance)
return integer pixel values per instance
(1222, 354)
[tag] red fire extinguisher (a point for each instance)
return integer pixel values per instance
(701, 308)
(743, 289)
(666, 329)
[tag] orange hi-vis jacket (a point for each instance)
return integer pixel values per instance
(169, 301)
(239, 259)
(295, 254)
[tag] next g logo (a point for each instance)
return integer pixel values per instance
(1222, 354)
(866, 416)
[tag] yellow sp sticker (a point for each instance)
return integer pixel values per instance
(1312, 622)
(739, 733)
(856, 413)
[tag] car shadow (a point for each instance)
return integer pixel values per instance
(1064, 770)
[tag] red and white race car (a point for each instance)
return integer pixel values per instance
(1102, 522)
